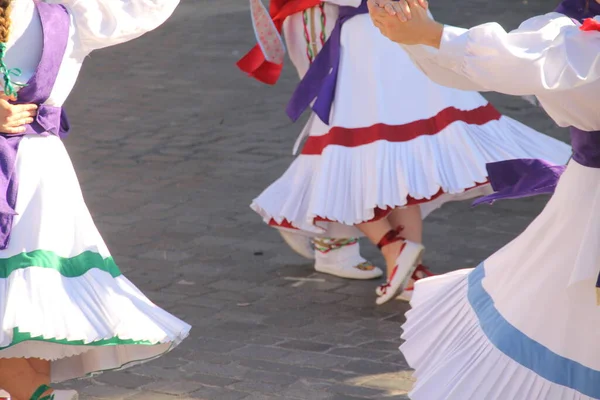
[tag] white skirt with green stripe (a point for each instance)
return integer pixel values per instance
(62, 297)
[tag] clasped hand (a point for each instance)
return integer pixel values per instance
(405, 21)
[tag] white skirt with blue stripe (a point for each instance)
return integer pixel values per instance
(524, 324)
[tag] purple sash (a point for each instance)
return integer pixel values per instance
(321, 79)
(579, 9)
(515, 179)
(50, 120)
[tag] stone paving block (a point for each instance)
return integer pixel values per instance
(369, 367)
(355, 352)
(159, 372)
(233, 371)
(174, 388)
(243, 313)
(210, 380)
(258, 396)
(124, 380)
(257, 352)
(337, 396)
(358, 391)
(251, 386)
(152, 396)
(395, 358)
(265, 340)
(309, 389)
(348, 340)
(305, 345)
(315, 360)
(298, 371)
(383, 345)
(214, 345)
(209, 393)
(270, 377)
(107, 391)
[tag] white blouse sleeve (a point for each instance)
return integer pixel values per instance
(546, 54)
(103, 23)
(425, 58)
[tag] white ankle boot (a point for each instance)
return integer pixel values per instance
(341, 258)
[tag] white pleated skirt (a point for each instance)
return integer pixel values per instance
(523, 325)
(63, 297)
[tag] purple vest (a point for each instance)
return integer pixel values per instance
(50, 120)
(321, 79)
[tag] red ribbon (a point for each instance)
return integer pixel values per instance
(254, 63)
(590, 24)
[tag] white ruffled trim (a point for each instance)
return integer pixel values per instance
(453, 358)
(89, 308)
(347, 184)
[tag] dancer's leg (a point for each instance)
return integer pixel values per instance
(375, 231)
(19, 378)
(411, 220)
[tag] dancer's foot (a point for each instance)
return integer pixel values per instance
(301, 244)
(341, 258)
(401, 269)
(420, 273)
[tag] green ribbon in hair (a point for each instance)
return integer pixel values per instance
(9, 85)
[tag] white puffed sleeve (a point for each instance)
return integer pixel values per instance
(546, 54)
(103, 23)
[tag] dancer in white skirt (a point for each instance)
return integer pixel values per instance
(306, 25)
(380, 154)
(67, 311)
(524, 324)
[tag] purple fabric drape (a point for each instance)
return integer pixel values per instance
(49, 121)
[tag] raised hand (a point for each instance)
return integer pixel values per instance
(400, 9)
(412, 26)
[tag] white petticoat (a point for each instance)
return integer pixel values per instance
(63, 297)
(524, 325)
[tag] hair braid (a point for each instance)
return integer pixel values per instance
(4, 20)
(9, 86)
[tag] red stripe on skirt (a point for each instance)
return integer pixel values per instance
(354, 137)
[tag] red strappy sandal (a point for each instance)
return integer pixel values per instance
(406, 264)
(420, 273)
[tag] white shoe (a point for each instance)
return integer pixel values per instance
(299, 243)
(406, 264)
(421, 272)
(346, 262)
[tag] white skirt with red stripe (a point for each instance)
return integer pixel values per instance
(396, 139)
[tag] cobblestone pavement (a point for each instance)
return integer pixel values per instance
(171, 143)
